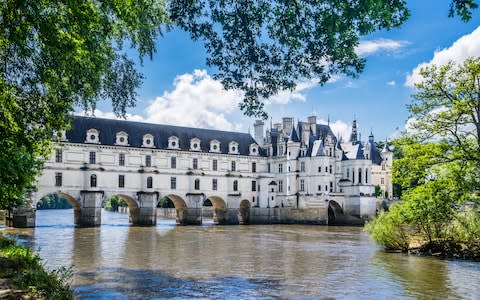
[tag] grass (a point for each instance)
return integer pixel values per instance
(23, 275)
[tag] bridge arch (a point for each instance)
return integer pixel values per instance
(71, 199)
(131, 202)
(219, 209)
(336, 215)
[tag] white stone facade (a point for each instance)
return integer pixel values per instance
(303, 166)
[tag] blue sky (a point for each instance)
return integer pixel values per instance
(178, 89)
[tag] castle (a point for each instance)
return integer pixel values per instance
(292, 166)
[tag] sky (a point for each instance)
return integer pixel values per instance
(178, 88)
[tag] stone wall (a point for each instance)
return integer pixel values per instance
(317, 216)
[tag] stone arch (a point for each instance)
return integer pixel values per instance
(219, 210)
(244, 212)
(182, 217)
(131, 202)
(336, 216)
(71, 199)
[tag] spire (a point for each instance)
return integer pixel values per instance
(328, 120)
(354, 135)
(370, 137)
(294, 136)
(385, 147)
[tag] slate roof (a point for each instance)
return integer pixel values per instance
(108, 129)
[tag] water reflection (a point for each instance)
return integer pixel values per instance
(244, 262)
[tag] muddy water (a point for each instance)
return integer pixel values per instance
(117, 261)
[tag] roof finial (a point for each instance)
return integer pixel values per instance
(328, 120)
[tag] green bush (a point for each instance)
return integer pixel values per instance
(388, 229)
(25, 269)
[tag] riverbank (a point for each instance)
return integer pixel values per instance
(446, 249)
(22, 275)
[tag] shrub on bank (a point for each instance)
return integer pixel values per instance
(24, 270)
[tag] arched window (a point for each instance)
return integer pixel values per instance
(149, 182)
(235, 185)
(197, 184)
(366, 175)
(360, 175)
(93, 180)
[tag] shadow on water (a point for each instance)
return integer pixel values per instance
(156, 284)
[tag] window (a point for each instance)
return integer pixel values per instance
(254, 186)
(215, 165)
(268, 167)
(149, 182)
(148, 161)
(58, 155)
(254, 167)
(319, 169)
(92, 157)
(214, 184)
(197, 184)
(93, 180)
(326, 169)
(234, 166)
(366, 175)
(331, 187)
(326, 188)
(383, 167)
(382, 181)
(348, 172)
(302, 166)
(121, 159)
(360, 175)
(58, 179)
(235, 185)
(280, 168)
(330, 169)
(319, 188)
(173, 183)
(195, 163)
(353, 175)
(121, 181)
(302, 185)
(289, 169)
(173, 162)
(280, 186)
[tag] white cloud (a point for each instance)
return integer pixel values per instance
(197, 100)
(340, 128)
(110, 115)
(391, 83)
(366, 48)
(284, 97)
(463, 48)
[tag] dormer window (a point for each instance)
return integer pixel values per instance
(148, 141)
(214, 146)
(122, 139)
(195, 144)
(233, 148)
(173, 142)
(254, 149)
(92, 136)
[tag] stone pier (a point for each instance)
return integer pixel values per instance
(89, 213)
(21, 217)
(146, 212)
(189, 216)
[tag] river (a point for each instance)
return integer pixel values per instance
(118, 261)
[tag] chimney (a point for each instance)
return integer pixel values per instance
(287, 125)
(312, 120)
(258, 128)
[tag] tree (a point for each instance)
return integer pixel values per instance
(439, 163)
(57, 54)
